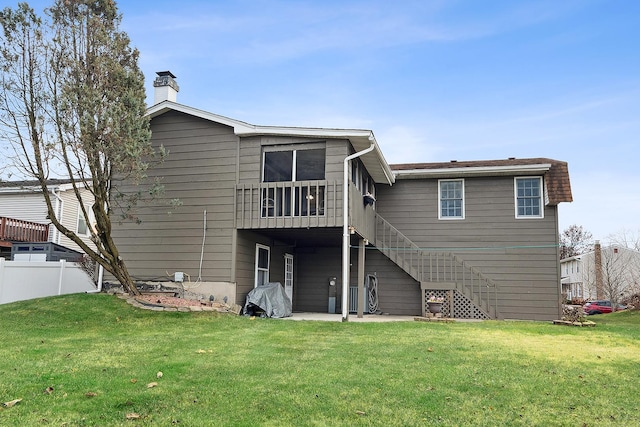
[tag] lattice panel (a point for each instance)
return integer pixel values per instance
(438, 294)
(463, 308)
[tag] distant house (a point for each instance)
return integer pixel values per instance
(611, 272)
(24, 218)
(268, 204)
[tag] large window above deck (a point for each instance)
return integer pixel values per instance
(302, 174)
(294, 165)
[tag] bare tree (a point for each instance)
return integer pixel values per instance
(619, 274)
(629, 243)
(588, 278)
(626, 238)
(575, 240)
(612, 275)
(72, 105)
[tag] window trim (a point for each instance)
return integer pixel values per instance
(541, 197)
(463, 207)
(257, 269)
(87, 224)
(294, 148)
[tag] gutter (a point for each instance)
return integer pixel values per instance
(471, 171)
(345, 227)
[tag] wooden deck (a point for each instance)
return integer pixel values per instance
(16, 230)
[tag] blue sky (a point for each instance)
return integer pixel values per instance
(435, 80)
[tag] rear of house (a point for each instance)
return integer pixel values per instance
(497, 217)
(267, 204)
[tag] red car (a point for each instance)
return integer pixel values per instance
(598, 307)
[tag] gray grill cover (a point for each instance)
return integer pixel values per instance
(271, 298)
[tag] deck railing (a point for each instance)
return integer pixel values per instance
(436, 267)
(297, 204)
(17, 230)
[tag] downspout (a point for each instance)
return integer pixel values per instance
(58, 208)
(345, 227)
(99, 284)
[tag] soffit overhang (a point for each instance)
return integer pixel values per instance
(473, 171)
(360, 139)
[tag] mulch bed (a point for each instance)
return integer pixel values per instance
(170, 301)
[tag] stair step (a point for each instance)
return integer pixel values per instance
(447, 265)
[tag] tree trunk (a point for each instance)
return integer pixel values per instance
(122, 274)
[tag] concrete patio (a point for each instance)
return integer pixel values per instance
(330, 317)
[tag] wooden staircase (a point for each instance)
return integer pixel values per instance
(437, 270)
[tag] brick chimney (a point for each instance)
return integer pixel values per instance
(597, 252)
(166, 88)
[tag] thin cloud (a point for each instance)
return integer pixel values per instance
(281, 31)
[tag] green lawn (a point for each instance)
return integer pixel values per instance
(85, 360)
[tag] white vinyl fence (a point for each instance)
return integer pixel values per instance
(22, 280)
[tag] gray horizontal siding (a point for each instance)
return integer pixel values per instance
(519, 254)
(200, 171)
(246, 258)
(398, 293)
(314, 268)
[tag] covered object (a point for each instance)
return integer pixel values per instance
(270, 298)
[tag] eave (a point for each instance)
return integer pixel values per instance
(473, 171)
(360, 139)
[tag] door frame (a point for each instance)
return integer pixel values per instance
(289, 277)
(257, 268)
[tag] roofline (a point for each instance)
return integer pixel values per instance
(165, 106)
(604, 248)
(33, 187)
(247, 129)
(472, 171)
(573, 258)
(241, 128)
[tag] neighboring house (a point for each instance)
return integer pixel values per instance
(611, 272)
(23, 206)
(266, 204)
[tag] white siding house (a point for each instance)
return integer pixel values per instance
(24, 201)
(616, 275)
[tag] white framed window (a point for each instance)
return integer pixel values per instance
(528, 197)
(451, 199)
(82, 228)
(263, 255)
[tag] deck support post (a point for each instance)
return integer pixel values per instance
(345, 227)
(361, 259)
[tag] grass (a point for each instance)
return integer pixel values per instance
(87, 360)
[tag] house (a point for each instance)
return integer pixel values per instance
(611, 272)
(24, 218)
(322, 212)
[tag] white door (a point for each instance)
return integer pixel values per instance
(288, 276)
(262, 265)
